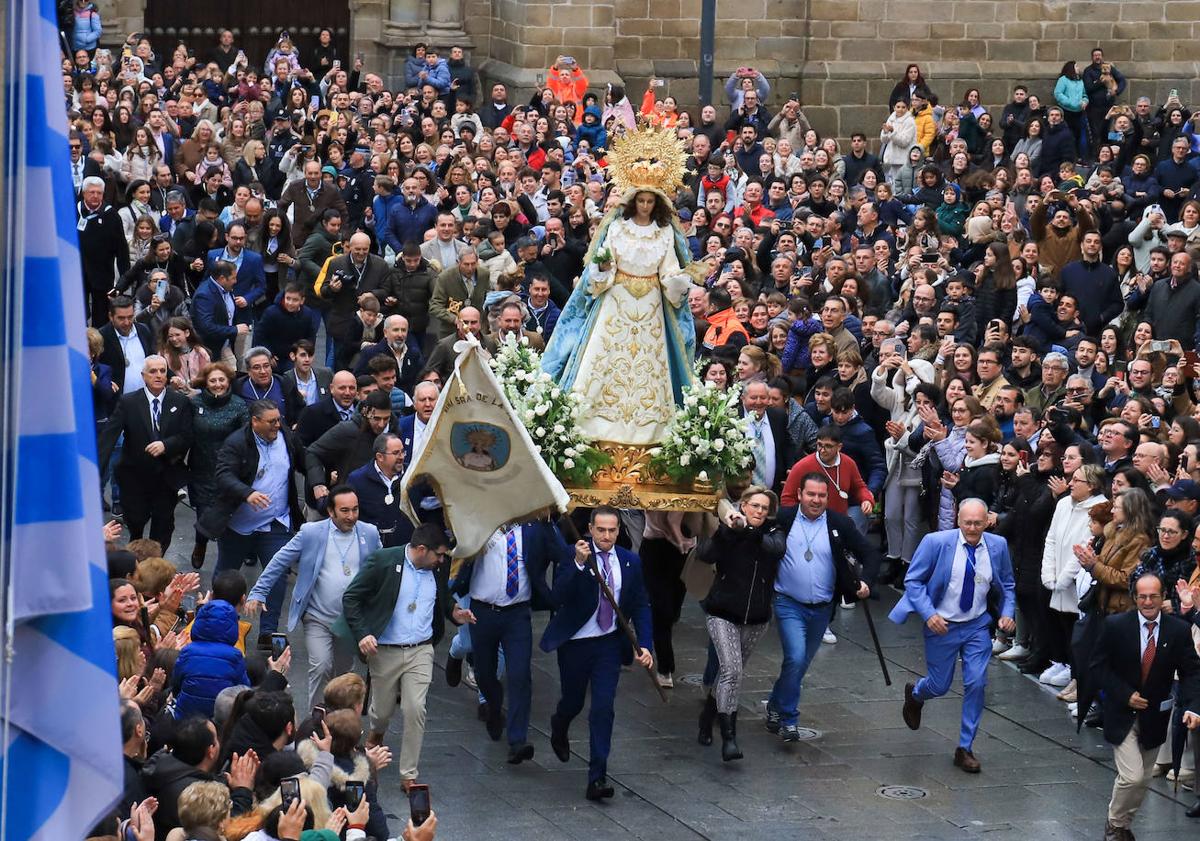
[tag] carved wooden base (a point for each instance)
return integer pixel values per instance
(627, 483)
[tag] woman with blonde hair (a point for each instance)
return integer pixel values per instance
(131, 657)
(754, 365)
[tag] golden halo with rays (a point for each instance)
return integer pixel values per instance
(647, 159)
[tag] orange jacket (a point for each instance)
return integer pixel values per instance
(568, 87)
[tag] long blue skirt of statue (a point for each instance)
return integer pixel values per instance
(626, 341)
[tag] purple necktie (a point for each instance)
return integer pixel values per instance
(604, 616)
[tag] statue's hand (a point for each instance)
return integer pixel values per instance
(601, 280)
(676, 287)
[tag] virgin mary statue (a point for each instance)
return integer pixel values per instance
(625, 341)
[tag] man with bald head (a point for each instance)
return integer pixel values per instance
(957, 582)
(469, 320)
(398, 343)
(350, 275)
(335, 407)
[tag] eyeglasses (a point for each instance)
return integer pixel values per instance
(1169, 532)
(1148, 597)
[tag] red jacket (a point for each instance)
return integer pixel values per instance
(844, 478)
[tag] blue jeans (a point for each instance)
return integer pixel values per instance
(801, 627)
(234, 549)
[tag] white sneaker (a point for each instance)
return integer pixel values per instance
(469, 677)
(665, 681)
(1000, 645)
(1051, 672)
(848, 605)
(1060, 678)
(828, 637)
(1073, 707)
(1017, 652)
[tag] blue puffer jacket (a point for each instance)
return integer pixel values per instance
(209, 663)
(592, 130)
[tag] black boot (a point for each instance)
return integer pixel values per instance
(729, 746)
(1194, 812)
(707, 714)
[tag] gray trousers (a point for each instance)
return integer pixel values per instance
(902, 518)
(328, 657)
(734, 644)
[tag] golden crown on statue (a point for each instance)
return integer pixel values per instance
(648, 159)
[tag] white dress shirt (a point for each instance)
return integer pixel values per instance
(135, 360)
(489, 577)
(948, 608)
(591, 628)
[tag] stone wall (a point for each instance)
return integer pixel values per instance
(857, 49)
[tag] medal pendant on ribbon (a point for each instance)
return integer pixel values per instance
(412, 607)
(843, 495)
(388, 499)
(808, 555)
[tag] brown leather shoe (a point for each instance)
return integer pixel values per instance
(966, 760)
(912, 708)
(405, 785)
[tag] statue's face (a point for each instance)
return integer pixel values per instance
(645, 203)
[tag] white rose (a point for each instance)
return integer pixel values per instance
(568, 463)
(702, 475)
(570, 451)
(719, 444)
(529, 414)
(539, 432)
(703, 410)
(542, 409)
(695, 440)
(559, 429)
(690, 400)
(684, 459)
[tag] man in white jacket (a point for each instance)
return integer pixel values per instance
(1060, 567)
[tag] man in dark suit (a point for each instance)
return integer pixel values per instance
(591, 648)
(958, 582)
(506, 582)
(376, 484)
(157, 424)
(768, 425)
(817, 570)
(395, 343)
(312, 382)
(1135, 662)
(127, 343)
(311, 199)
(250, 289)
(443, 356)
(214, 312)
(337, 406)
(102, 247)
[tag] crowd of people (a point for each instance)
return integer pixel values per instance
(989, 325)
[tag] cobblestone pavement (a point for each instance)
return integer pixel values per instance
(1040, 781)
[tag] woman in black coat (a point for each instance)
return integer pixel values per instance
(746, 549)
(1022, 513)
(979, 475)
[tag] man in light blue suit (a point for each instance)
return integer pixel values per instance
(326, 556)
(956, 582)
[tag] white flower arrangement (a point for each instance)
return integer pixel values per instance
(706, 439)
(602, 256)
(548, 412)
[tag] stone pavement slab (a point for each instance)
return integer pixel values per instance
(1040, 782)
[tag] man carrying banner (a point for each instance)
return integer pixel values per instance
(591, 649)
(506, 582)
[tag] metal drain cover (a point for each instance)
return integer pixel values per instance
(690, 680)
(807, 734)
(901, 792)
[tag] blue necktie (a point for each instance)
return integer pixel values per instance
(512, 579)
(154, 413)
(967, 600)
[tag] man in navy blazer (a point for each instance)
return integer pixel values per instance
(377, 486)
(321, 579)
(591, 648)
(214, 312)
(956, 581)
(250, 290)
(506, 582)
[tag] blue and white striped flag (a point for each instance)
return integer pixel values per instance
(62, 766)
